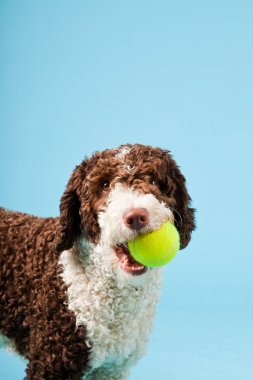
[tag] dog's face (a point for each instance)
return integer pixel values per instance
(120, 193)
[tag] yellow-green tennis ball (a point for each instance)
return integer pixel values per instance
(156, 248)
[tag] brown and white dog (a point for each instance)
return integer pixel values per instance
(73, 301)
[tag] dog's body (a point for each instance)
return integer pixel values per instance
(72, 299)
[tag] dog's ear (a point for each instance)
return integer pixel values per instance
(184, 214)
(70, 223)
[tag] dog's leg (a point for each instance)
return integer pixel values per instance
(111, 372)
(57, 354)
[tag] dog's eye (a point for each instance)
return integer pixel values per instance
(153, 181)
(105, 184)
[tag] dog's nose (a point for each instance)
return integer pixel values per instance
(136, 218)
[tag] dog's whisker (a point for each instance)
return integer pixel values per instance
(181, 220)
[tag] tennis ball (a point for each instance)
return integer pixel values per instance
(156, 248)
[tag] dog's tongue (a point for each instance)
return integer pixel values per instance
(127, 262)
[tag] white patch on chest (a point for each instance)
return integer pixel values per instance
(118, 318)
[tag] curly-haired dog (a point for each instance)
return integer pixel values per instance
(73, 301)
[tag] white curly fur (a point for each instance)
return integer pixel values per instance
(116, 307)
(118, 318)
(7, 344)
(121, 154)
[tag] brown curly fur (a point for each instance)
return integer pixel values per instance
(33, 310)
(32, 299)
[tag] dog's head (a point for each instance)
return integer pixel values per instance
(120, 193)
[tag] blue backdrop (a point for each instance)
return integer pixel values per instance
(79, 76)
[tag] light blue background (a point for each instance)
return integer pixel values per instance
(79, 76)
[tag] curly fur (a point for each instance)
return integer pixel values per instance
(66, 303)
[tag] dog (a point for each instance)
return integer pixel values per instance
(73, 301)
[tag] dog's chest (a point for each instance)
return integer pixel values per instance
(118, 320)
(121, 326)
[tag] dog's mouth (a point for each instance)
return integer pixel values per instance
(127, 262)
